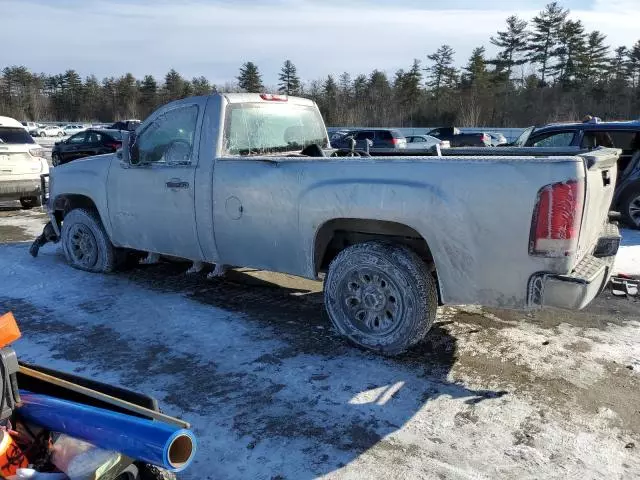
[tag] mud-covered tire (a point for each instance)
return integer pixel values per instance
(152, 472)
(394, 288)
(30, 202)
(629, 207)
(85, 242)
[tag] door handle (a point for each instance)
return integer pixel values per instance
(177, 184)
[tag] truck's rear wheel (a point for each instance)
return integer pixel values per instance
(381, 296)
(86, 243)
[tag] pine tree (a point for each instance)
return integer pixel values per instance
(476, 74)
(174, 86)
(442, 74)
(330, 93)
(201, 86)
(595, 60)
(513, 43)
(127, 96)
(345, 85)
(250, 79)
(571, 49)
(289, 81)
(633, 64)
(544, 39)
(148, 100)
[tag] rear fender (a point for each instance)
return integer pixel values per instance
(441, 219)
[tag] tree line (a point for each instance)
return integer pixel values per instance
(547, 69)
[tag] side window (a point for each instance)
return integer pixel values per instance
(169, 139)
(625, 140)
(552, 139)
(365, 135)
(77, 138)
(418, 140)
(94, 137)
(384, 135)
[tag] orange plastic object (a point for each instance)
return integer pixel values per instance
(11, 457)
(9, 331)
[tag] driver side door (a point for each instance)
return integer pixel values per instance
(151, 201)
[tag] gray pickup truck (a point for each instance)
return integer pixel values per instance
(251, 180)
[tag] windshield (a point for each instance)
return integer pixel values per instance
(260, 128)
(524, 136)
(14, 135)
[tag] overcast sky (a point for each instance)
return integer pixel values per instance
(214, 37)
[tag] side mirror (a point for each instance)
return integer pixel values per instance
(129, 150)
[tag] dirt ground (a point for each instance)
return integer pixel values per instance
(274, 393)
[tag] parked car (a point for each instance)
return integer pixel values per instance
(497, 139)
(382, 140)
(30, 127)
(339, 134)
(84, 144)
(50, 131)
(459, 139)
(125, 125)
(73, 129)
(593, 134)
(21, 163)
(425, 141)
(246, 180)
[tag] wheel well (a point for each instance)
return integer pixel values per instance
(336, 235)
(65, 203)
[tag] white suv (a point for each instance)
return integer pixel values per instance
(50, 131)
(21, 164)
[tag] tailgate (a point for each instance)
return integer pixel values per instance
(601, 174)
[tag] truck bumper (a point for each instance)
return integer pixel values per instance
(576, 290)
(15, 189)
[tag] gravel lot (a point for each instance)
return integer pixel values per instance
(274, 393)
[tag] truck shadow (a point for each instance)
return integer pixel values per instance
(342, 401)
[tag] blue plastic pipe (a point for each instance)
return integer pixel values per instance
(154, 442)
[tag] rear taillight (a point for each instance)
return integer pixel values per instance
(556, 219)
(395, 141)
(114, 145)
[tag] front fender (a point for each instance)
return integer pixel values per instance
(83, 178)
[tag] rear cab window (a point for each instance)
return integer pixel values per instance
(15, 135)
(270, 128)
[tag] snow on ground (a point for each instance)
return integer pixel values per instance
(628, 258)
(272, 392)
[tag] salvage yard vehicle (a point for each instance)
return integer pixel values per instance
(21, 164)
(50, 131)
(425, 141)
(459, 139)
(594, 134)
(251, 180)
(381, 140)
(86, 143)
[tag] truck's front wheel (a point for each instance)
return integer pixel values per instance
(381, 296)
(86, 243)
